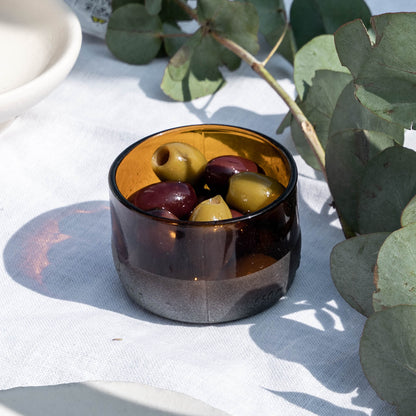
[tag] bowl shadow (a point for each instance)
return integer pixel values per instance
(65, 253)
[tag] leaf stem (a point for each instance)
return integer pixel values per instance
(279, 41)
(258, 67)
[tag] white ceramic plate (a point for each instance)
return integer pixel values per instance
(39, 44)
(100, 399)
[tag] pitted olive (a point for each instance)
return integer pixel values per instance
(249, 191)
(178, 162)
(219, 170)
(177, 197)
(212, 209)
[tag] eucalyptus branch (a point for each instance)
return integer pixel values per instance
(258, 67)
(305, 124)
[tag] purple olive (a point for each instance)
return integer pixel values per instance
(177, 197)
(235, 213)
(163, 213)
(219, 170)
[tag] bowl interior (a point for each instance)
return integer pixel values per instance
(134, 169)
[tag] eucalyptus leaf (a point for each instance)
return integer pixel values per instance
(347, 154)
(409, 213)
(384, 75)
(193, 71)
(318, 107)
(352, 269)
(190, 87)
(319, 53)
(236, 21)
(172, 12)
(115, 4)
(313, 18)
(172, 40)
(286, 121)
(153, 7)
(133, 35)
(395, 276)
(349, 113)
(387, 186)
(179, 64)
(388, 356)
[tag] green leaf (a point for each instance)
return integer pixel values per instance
(396, 270)
(236, 21)
(387, 186)
(355, 136)
(286, 121)
(388, 356)
(133, 36)
(179, 64)
(193, 71)
(153, 7)
(319, 53)
(172, 43)
(352, 270)
(272, 18)
(116, 4)
(409, 213)
(318, 107)
(313, 18)
(228, 58)
(349, 113)
(172, 12)
(384, 71)
(347, 154)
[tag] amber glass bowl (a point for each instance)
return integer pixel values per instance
(205, 272)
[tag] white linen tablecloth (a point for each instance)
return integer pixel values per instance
(64, 315)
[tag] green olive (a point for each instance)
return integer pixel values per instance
(249, 191)
(178, 162)
(212, 209)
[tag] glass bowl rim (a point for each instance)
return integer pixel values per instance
(246, 217)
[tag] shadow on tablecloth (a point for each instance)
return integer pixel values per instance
(65, 253)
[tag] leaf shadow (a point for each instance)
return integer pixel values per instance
(320, 332)
(316, 405)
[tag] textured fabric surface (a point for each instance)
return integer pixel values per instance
(64, 314)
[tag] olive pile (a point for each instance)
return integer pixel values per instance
(195, 189)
